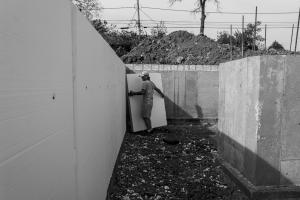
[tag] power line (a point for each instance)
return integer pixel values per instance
(209, 27)
(127, 22)
(148, 16)
(132, 18)
(217, 25)
(167, 9)
(114, 8)
(209, 12)
(189, 24)
(196, 22)
(220, 12)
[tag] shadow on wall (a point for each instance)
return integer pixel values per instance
(172, 109)
(240, 163)
(199, 111)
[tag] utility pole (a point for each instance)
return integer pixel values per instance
(139, 20)
(243, 36)
(231, 42)
(255, 25)
(292, 38)
(265, 36)
(297, 32)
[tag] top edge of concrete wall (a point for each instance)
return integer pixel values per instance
(258, 57)
(159, 67)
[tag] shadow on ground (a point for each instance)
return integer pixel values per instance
(256, 176)
(148, 168)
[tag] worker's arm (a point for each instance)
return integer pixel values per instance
(159, 92)
(142, 92)
(132, 93)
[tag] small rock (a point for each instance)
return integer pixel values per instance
(197, 158)
(158, 197)
(182, 190)
(206, 169)
(126, 197)
(171, 140)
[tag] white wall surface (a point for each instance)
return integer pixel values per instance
(100, 109)
(38, 154)
(36, 132)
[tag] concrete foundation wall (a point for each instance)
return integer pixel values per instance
(290, 137)
(258, 118)
(46, 139)
(191, 90)
(238, 101)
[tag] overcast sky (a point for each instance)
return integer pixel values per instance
(221, 21)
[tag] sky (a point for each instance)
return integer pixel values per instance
(279, 26)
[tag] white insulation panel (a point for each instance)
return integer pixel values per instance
(158, 115)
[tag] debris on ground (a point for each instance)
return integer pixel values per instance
(150, 169)
(171, 139)
(182, 47)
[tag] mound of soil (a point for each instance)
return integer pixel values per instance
(182, 47)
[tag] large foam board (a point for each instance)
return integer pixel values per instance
(62, 103)
(158, 116)
(36, 128)
(100, 108)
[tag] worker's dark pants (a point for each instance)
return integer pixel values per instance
(147, 122)
(146, 113)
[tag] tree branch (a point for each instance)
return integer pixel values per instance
(173, 1)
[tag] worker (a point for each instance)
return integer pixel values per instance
(147, 91)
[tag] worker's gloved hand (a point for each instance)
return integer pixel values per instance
(130, 93)
(162, 95)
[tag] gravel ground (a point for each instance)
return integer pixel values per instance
(151, 169)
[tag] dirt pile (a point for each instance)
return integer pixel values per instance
(182, 47)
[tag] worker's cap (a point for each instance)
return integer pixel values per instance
(144, 73)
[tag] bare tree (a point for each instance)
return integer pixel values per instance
(90, 8)
(200, 7)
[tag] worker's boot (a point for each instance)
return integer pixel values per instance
(150, 130)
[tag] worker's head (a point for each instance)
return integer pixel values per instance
(145, 76)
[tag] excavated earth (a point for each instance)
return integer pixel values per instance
(150, 169)
(182, 47)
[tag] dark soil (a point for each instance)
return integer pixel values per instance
(151, 169)
(182, 47)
